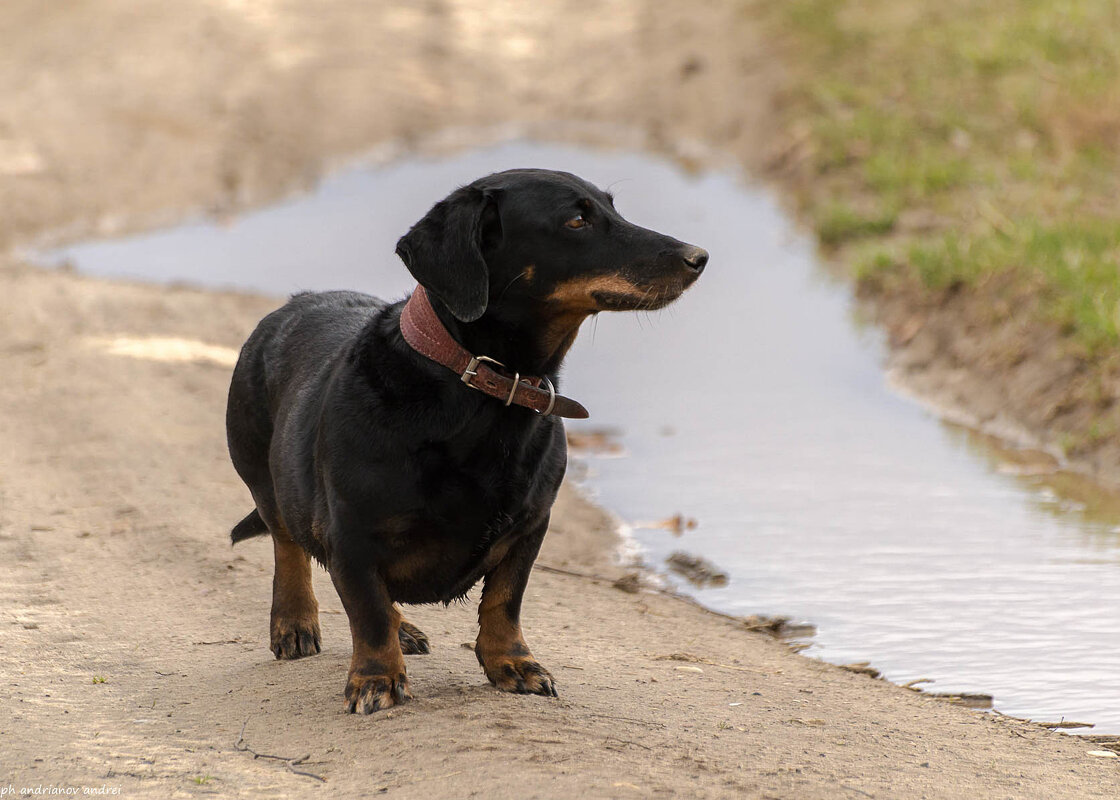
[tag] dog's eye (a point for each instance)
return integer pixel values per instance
(577, 222)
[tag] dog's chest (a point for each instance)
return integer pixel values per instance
(461, 516)
(430, 563)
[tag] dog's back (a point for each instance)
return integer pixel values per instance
(286, 356)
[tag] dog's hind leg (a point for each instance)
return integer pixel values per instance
(500, 647)
(413, 640)
(295, 611)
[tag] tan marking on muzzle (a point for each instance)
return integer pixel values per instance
(576, 294)
(571, 302)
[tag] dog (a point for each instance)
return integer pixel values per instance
(415, 448)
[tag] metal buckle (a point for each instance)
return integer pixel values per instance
(513, 389)
(472, 369)
(551, 397)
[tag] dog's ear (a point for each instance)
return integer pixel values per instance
(444, 251)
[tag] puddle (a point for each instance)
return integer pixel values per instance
(822, 494)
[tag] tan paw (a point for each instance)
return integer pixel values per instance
(294, 638)
(366, 693)
(520, 674)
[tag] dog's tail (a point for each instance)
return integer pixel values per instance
(249, 527)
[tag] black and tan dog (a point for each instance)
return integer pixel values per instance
(415, 448)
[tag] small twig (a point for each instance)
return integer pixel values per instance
(966, 699)
(915, 684)
(629, 719)
(1065, 724)
(862, 668)
(448, 775)
(305, 773)
(626, 741)
(572, 573)
(241, 746)
(698, 660)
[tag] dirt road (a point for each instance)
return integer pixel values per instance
(134, 651)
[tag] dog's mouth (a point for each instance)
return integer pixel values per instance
(620, 293)
(611, 301)
(650, 298)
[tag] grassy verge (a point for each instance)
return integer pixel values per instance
(946, 144)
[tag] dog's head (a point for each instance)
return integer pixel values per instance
(546, 239)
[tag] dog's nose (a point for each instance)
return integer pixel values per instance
(696, 258)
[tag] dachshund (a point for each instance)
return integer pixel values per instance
(415, 448)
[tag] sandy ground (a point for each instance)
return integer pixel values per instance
(134, 651)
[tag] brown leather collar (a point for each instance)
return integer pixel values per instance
(423, 330)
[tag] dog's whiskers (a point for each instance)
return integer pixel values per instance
(524, 272)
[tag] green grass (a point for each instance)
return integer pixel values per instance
(837, 223)
(1001, 119)
(1075, 262)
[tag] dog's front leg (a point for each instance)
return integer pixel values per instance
(377, 676)
(500, 647)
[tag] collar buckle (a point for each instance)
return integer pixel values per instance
(472, 369)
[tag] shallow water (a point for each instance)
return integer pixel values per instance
(824, 494)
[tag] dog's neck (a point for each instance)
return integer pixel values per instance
(427, 334)
(522, 339)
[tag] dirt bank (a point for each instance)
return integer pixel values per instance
(135, 649)
(981, 357)
(959, 160)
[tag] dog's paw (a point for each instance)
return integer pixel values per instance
(413, 640)
(295, 638)
(520, 675)
(367, 693)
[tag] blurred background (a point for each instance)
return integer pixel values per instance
(908, 434)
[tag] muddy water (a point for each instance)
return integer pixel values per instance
(821, 492)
